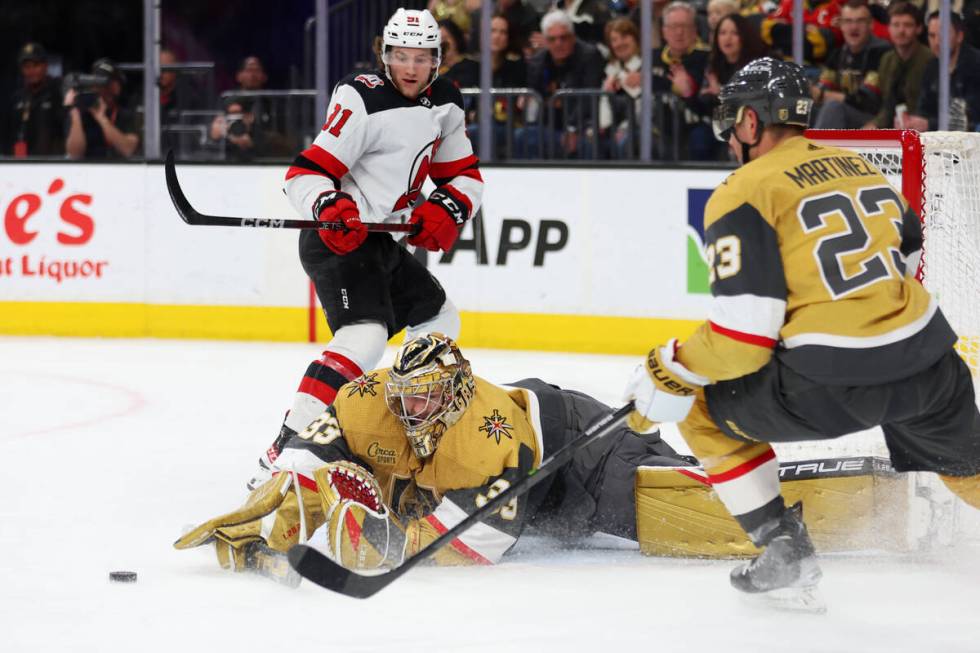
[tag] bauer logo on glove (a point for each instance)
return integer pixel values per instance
(661, 389)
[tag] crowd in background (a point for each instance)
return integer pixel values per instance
(568, 74)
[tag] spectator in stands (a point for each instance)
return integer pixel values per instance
(98, 126)
(250, 77)
(718, 9)
(509, 71)
(566, 63)
(678, 68)
(964, 82)
(657, 15)
(36, 124)
(455, 64)
(901, 69)
(242, 136)
(971, 22)
(251, 74)
(525, 26)
(821, 33)
(177, 92)
(847, 94)
(588, 16)
(623, 77)
(456, 11)
(736, 42)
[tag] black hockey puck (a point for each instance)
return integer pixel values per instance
(122, 576)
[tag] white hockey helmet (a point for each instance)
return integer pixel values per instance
(413, 28)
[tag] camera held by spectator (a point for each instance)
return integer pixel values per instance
(99, 127)
(87, 88)
(241, 135)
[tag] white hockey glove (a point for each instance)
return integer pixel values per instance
(662, 390)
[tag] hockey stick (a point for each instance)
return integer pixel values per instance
(192, 217)
(318, 568)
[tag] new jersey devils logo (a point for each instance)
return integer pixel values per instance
(369, 80)
(417, 175)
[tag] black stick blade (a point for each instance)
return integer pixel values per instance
(184, 208)
(318, 568)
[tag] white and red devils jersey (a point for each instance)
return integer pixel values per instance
(379, 147)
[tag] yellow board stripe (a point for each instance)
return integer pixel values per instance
(571, 333)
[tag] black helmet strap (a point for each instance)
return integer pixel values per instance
(757, 136)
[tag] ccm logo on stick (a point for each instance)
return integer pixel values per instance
(262, 222)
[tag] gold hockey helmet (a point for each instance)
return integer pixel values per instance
(429, 387)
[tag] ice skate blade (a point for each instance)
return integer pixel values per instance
(808, 600)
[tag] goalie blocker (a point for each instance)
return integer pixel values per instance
(850, 504)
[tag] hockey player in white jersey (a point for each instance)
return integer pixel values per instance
(385, 132)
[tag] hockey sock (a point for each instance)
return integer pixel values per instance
(319, 387)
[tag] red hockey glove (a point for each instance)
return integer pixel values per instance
(336, 206)
(441, 217)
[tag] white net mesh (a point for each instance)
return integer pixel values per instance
(952, 234)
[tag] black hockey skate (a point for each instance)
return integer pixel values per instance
(786, 573)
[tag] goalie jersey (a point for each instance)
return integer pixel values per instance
(380, 147)
(497, 441)
(812, 258)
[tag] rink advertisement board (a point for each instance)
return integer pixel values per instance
(603, 260)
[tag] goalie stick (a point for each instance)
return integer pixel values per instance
(318, 568)
(191, 216)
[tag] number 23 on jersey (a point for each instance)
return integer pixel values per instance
(841, 227)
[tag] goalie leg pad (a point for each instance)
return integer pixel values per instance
(850, 504)
(966, 488)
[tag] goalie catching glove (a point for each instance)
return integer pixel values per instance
(661, 389)
(360, 532)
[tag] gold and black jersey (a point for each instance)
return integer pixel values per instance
(497, 441)
(812, 255)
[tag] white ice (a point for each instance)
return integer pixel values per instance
(111, 447)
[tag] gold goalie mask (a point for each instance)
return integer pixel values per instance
(429, 388)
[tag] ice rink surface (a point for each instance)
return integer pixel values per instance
(111, 447)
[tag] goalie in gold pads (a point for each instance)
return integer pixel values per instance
(405, 453)
(817, 327)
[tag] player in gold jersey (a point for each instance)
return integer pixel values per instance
(817, 327)
(406, 453)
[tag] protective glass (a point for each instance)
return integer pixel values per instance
(724, 119)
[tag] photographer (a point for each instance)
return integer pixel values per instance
(99, 128)
(242, 136)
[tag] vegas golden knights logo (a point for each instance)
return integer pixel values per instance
(495, 425)
(364, 385)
